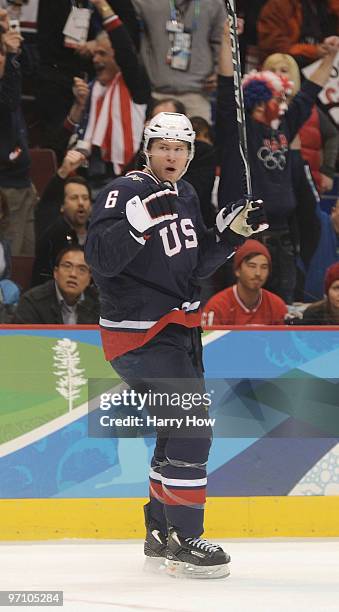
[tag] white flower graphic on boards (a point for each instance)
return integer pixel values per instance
(69, 376)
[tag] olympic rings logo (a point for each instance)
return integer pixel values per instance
(273, 160)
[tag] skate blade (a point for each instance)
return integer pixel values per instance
(180, 569)
(154, 565)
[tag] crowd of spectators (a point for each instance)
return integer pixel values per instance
(82, 77)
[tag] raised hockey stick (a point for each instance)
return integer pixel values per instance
(239, 98)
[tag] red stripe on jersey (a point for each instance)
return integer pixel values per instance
(155, 490)
(117, 342)
(183, 497)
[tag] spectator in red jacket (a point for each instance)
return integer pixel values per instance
(297, 27)
(246, 303)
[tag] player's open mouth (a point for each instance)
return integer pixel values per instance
(171, 169)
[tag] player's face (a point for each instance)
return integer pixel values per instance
(72, 275)
(252, 274)
(168, 158)
(333, 297)
(77, 204)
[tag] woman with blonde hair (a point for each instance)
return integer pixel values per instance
(318, 136)
(284, 65)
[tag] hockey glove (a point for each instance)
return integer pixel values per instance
(246, 217)
(154, 205)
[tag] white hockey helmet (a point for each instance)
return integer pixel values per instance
(170, 126)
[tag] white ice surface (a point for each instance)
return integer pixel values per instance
(266, 576)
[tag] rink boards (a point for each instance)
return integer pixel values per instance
(275, 474)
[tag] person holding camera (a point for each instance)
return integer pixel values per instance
(23, 15)
(15, 182)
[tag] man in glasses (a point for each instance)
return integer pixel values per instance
(68, 299)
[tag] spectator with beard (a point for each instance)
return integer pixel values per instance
(62, 216)
(247, 303)
(108, 116)
(48, 208)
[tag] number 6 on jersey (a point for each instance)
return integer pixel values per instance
(112, 199)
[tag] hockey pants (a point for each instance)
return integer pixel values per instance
(178, 474)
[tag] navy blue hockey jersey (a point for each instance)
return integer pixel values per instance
(145, 287)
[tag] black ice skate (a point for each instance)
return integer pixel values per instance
(155, 541)
(195, 558)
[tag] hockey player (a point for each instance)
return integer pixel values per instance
(147, 247)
